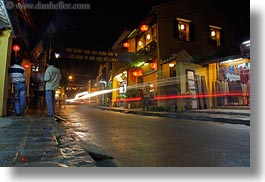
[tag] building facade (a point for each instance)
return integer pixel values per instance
(14, 26)
(181, 49)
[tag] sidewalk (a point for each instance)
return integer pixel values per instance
(233, 115)
(36, 140)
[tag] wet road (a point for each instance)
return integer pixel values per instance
(147, 141)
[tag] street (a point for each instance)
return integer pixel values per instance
(151, 141)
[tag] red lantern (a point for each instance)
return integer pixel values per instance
(16, 47)
(137, 72)
(153, 65)
(26, 66)
(126, 44)
(144, 28)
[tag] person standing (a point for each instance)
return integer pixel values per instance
(145, 97)
(52, 79)
(37, 79)
(17, 75)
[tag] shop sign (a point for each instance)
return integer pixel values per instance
(90, 55)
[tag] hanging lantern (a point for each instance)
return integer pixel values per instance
(137, 72)
(16, 48)
(126, 44)
(144, 27)
(153, 65)
(26, 65)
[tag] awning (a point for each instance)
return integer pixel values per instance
(220, 59)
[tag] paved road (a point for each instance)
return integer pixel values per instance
(136, 140)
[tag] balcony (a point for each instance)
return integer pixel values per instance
(149, 51)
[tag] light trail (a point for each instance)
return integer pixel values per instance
(176, 96)
(86, 95)
(156, 83)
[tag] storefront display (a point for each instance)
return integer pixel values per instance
(233, 82)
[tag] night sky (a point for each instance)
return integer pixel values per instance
(99, 27)
(94, 28)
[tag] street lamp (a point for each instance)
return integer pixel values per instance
(57, 55)
(70, 78)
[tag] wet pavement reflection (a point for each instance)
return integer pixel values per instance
(137, 140)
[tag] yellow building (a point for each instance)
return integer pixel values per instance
(8, 32)
(5, 49)
(173, 52)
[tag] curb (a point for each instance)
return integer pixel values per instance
(188, 115)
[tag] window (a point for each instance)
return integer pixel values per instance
(182, 29)
(140, 43)
(215, 35)
(148, 37)
(145, 40)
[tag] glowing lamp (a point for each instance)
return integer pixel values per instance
(70, 77)
(26, 66)
(16, 47)
(213, 33)
(148, 37)
(153, 65)
(57, 55)
(126, 44)
(171, 65)
(144, 28)
(137, 72)
(182, 27)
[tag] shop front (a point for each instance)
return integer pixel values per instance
(183, 84)
(232, 85)
(119, 86)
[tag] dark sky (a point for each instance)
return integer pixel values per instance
(96, 28)
(99, 27)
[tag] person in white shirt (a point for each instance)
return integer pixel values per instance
(52, 79)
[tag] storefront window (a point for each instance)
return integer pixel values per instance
(120, 83)
(233, 84)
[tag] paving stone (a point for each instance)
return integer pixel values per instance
(36, 141)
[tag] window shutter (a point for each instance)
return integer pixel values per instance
(192, 32)
(175, 29)
(222, 40)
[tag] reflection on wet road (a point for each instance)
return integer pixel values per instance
(136, 140)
